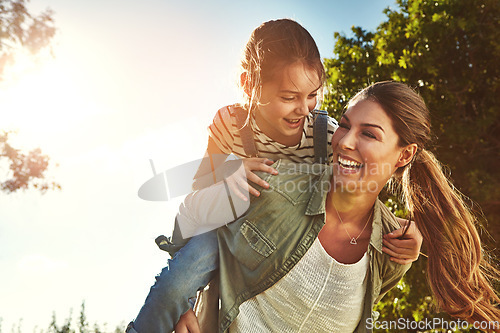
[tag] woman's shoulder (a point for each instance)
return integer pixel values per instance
(388, 219)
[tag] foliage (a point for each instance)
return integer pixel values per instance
(19, 29)
(67, 327)
(449, 50)
(25, 170)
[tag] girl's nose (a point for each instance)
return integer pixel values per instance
(303, 108)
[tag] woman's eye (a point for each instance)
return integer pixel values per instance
(370, 135)
(313, 95)
(288, 99)
(341, 125)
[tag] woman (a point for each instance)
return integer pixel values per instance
(316, 230)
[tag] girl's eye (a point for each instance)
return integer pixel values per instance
(342, 125)
(288, 99)
(313, 95)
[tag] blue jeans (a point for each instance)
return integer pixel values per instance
(190, 270)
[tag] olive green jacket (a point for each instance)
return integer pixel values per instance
(280, 226)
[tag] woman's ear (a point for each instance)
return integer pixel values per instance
(246, 84)
(407, 155)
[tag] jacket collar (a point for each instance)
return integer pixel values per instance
(376, 236)
(317, 201)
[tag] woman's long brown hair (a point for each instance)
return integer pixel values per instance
(458, 273)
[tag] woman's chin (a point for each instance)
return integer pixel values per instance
(355, 185)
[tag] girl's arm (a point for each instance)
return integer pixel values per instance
(403, 248)
(215, 157)
(210, 208)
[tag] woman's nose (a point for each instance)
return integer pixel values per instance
(348, 141)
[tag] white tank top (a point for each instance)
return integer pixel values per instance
(319, 294)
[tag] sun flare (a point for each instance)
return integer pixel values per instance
(39, 100)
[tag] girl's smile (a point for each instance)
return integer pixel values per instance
(286, 101)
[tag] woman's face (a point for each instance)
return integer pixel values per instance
(286, 101)
(365, 148)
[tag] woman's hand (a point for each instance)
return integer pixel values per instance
(188, 323)
(403, 249)
(238, 182)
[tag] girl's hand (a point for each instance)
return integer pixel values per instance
(188, 323)
(239, 181)
(403, 249)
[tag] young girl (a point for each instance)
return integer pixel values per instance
(281, 78)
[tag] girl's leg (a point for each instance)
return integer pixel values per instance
(190, 270)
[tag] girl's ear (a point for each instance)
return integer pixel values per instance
(246, 84)
(407, 155)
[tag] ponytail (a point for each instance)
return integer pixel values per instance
(457, 271)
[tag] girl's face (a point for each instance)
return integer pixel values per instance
(286, 101)
(366, 152)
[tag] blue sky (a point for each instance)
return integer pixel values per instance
(129, 81)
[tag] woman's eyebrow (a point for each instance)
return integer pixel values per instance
(365, 124)
(373, 125)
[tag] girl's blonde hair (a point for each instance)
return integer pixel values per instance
(458, 273)
(271, 47)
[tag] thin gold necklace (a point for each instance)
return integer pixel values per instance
(354, 240)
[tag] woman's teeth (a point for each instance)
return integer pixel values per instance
(349, 164)
(292, 121)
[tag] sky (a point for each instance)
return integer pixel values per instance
(128, 82)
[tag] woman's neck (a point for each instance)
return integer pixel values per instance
(346, 233)
(351, 207)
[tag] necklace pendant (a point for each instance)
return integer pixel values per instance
(353, 241)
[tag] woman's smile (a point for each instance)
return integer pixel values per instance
(365, 146)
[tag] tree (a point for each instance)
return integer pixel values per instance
(83, 325)
(449, 50)
(19, 31)
(25, 170)
(66, 328)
